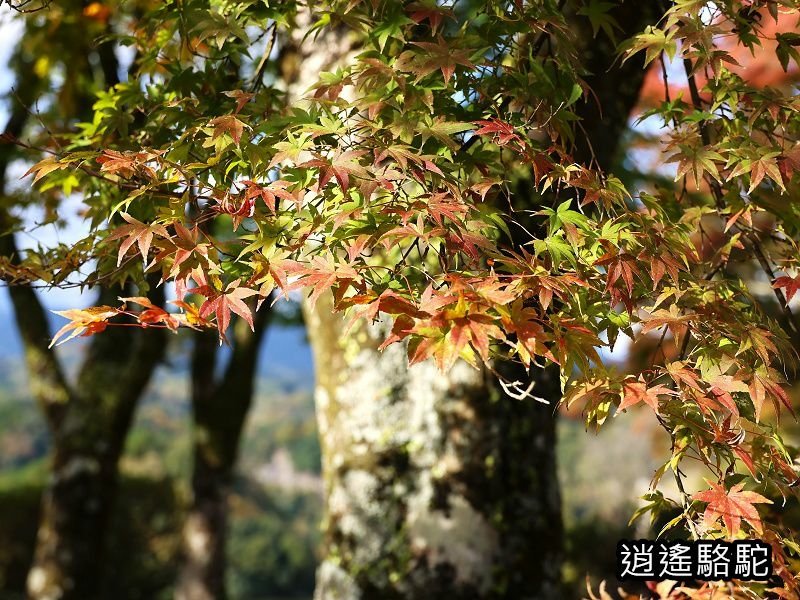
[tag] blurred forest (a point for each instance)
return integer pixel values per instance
(276, 504)
(276, 507)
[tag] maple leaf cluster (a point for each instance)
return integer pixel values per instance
(387, 187)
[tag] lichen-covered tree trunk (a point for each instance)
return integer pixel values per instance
(437, 485)
(219, 409)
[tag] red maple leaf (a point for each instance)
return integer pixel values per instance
(502, 132)
(442, 205)
(341, 166)
(137, 233)
(789, 284)
(732, 505)
(222, 304)
(268, 193)
(227, 124)
(419, 12)
(619, 265)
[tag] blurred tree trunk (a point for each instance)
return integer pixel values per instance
(220, 407)
(88, 438)
(440, 485)
(88, 424)
(88, 421)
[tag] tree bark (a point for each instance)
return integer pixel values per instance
(437, 485)
(220, 408)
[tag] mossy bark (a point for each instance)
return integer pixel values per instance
(88, 420)
(87, 442)
(437, 485)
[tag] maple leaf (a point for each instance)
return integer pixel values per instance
(341, 166)
(790, 162)
(420, 349)
(589, 393)
(420, 11)
(526, 324)
(746, 214)
(732, 505)
(768, 381)
(661, 264)
(229, 124)
(672, 318)
(598, 13)
(137, 233)
(126, 164)
(269, 193)
(43, 167)
(766, 165)
(432, 300)
(232, 300)
(439, 56)
(442, 130)
(634, 392)
(320, 274)
(790, 285)
(191, 315)
(619, 265)
(476, 329)
(502, 132)
(238, 212)
(241, 98)
(444, 205)
(401, 329)
(698, 161)
(483, 187)
(152, 314)
(722, 387)
(85, 322)
(679, 373)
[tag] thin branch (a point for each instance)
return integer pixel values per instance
(262, 65)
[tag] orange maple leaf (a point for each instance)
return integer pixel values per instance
(232, 300)
(634, 392)
(227, 124)
(85, 322)
(137, 233)
(732, 505)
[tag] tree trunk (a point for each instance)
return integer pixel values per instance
(437, 485)
(87, 441)
(220, 409)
